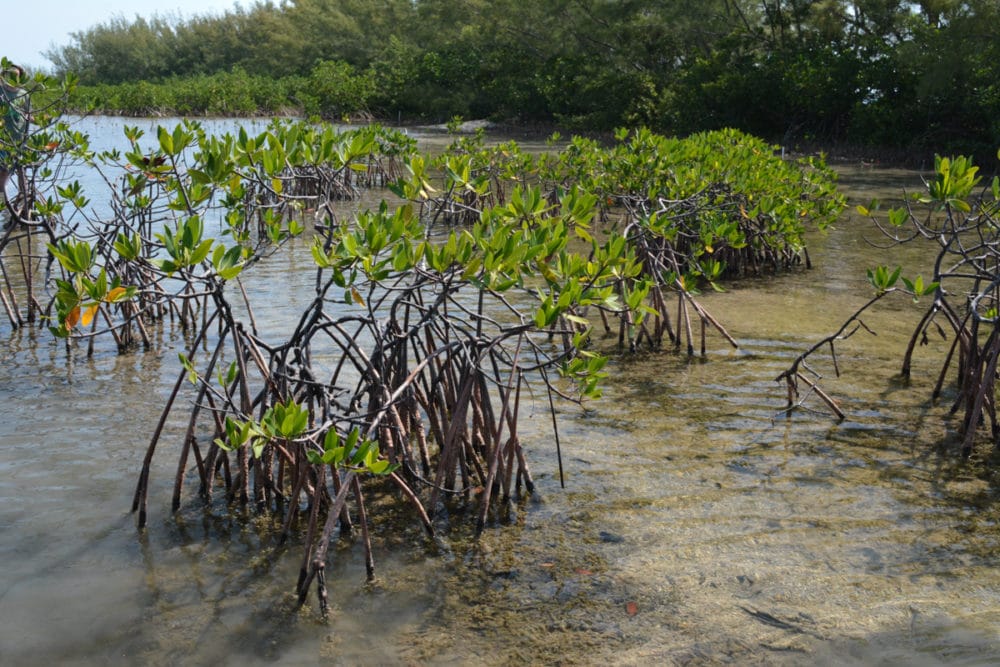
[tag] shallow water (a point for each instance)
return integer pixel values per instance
(698, 525)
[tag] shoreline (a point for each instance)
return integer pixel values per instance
(918, 158)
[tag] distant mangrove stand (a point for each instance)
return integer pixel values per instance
(912, 77)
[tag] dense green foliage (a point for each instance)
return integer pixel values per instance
(880, 72)
(331, 89)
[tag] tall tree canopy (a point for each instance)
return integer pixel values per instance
(886, 72)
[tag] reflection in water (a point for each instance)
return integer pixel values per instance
(698, 524)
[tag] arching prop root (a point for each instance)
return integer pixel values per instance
(965, 291)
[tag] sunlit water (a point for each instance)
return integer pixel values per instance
(698, 524)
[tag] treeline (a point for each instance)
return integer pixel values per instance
(887, 73)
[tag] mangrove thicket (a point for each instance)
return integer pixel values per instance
(486, 279)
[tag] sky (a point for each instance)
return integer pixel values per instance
(28, 27)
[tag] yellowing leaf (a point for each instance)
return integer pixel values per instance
(88, 315)
(356, 295)
(115, 294)
(73, 318)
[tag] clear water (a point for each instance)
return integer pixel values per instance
(698, 524)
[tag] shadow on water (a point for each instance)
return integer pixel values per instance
(699, 525)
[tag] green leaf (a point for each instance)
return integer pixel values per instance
(331, 440)
(258, 447)
(895, 276)
(201, 252)
(380, 468)
(334, 456)
(230, 273)
(352, 437)
(166, 140)
(300, 423)
(320, 256)
(362, 452)
(189, 367)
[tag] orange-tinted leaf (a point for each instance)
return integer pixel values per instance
(73, 318)
(358, 299)
(631, 608)
(584, 571)
(115, 294)
(52, 145)
(88, 315)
